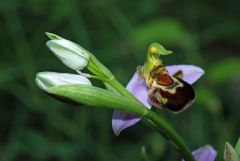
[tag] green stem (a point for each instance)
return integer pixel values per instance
(169, 132)
(121, 89)
(157, 122)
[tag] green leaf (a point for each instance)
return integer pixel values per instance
(97, 97)
(229, 153)
(237, 148)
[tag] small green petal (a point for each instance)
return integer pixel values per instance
(158, 49)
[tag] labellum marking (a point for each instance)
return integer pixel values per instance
(178, 74)
(169, 92)
(153, 99)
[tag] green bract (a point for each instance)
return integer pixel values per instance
(97, 97)
(237, 148)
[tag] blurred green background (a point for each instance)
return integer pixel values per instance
(35, 127)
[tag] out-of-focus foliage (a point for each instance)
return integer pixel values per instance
(37, 127)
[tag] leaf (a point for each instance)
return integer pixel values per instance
(229, 153)
(97, 97)
(237, 148)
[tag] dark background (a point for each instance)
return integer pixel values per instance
(35, 127)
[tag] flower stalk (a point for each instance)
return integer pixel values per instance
(170, 133)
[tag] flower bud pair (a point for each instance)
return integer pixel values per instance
(72, 55)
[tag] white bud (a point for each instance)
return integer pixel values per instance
(47, 80)
(71, 54)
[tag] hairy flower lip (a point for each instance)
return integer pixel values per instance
(69, 53)
(47, 80)
(122, 120)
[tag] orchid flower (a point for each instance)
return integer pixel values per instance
(139, 87)
(153, 85)
(205, 153)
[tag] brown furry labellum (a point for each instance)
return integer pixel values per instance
(171, 92)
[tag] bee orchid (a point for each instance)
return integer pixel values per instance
(160, 86)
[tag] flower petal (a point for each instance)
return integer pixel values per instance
(205, 153)
(191, 73)
(137, 86)
(122, 120)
